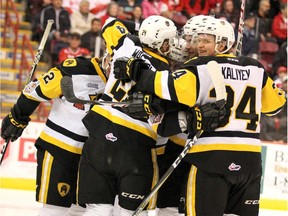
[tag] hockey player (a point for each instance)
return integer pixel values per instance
(119, 158)
(226, 170)
(168, 198)
(59, 146)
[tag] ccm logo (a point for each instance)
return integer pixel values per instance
(132, 196)
(252, 202)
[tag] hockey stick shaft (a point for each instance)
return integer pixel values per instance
(217, 78)
(165, 176)
(240, 29)
(3, 150)
(40, 50)
(32, 71)
(68, 92)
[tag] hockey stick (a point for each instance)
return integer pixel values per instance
(217, 78)
(240, 29)
(3, 150)
(40, 50)
(68, 92)
(32, 71)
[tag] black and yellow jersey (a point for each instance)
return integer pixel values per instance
(120, 43)
(64, 128)
(250, 92)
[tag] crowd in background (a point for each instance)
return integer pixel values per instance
(78, 23)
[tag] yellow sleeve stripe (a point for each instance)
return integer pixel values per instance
(98, 69)
(158, 85)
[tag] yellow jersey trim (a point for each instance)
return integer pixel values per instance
(60, 144)
(118, 120)
(225, 147)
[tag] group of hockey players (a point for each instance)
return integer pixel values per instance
(87, 155)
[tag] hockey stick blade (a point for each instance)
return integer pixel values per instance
(68, 92)
(217, 78)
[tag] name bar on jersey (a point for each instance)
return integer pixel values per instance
(235, 74)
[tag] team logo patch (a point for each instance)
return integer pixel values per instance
(79, 106)
(156, 119)
(92, 85)
(111, 137)
(69, 63)
(30, 87)
(234, 167)
(63, 188)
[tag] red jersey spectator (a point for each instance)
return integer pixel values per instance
(193, 8)
(74, 49)
(279, 25)
(112, 11)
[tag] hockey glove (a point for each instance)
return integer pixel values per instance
(129, 69)
(207, 117)
(143, 105)
(13, 124)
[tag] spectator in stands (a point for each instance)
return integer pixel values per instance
(280, 59)
(153, 7)
(129, 5)
(99, 9)
(122, 15)
(137, 15)
(193, 8)
(32, 13)
(112, 11)
(89, 39)
(214, 7)
(279, 25)
(60, 27)
(176, 15)
(250, 40)
(230, 13)
(281, 76)
(71, 5)
(74, 49)
(60, 16)
(265, 22)
(81, 19)
(33, 8)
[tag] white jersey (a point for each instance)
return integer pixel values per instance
(250, 92)
(64, 128)
(121, 44)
